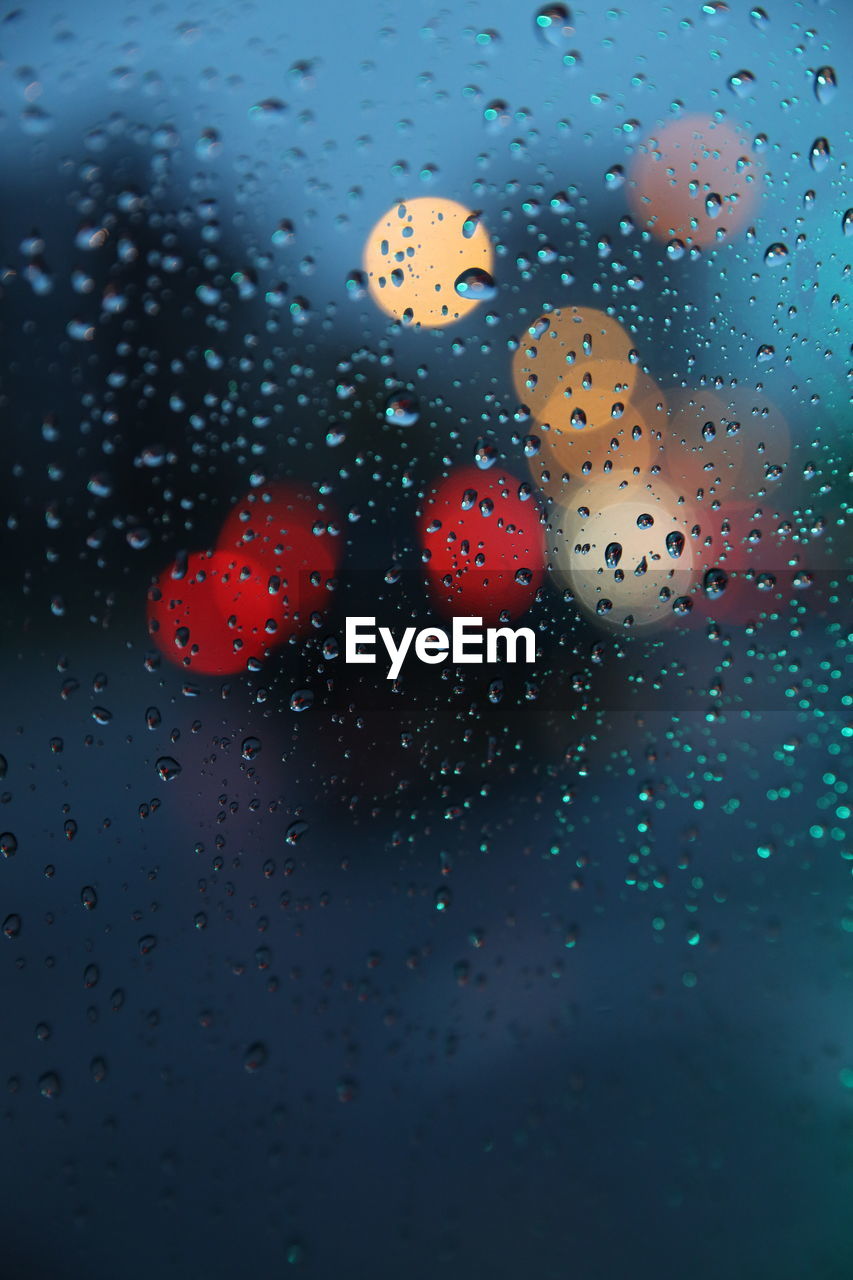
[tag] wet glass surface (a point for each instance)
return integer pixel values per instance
(541, 317)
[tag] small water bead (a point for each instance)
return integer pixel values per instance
(8, 844)
(476, 285)
(776, 255)
(820, 154)
(675, 543)
(485, 454)
(251, 748)
(12, 925)
(471, 223)
(403, 409)
(301, 700)
(50, 1085)
(167, 768)
(759, 18)
(742, 83)
(612, 554)
(714, 583)
(715, 12)
(553, 24)
(256, 1056)
(825, 85)
(645, 520)
(847, 222)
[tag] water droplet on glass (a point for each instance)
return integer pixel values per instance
(167, 768)
(742, 83)
(820, 154)
(776, 255)
(402, 409)
(553, 24)
(255, 1057)
(675, 543)
(476, 285)
(825, 85)
(714, 583)
(612, 554)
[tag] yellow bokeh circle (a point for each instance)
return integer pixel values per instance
(418, 253)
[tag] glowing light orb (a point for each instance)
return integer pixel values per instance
(429, 261)
(187, 616)
(694, 182)
(627, 563)
(486, 545)
(618, 443)
(724, 444)
(270, 541)
(561, 352)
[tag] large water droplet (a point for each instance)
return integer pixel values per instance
(675, 543)
(825, 84)
(776, 255)
(475, 285)
(742, 83)
(612, 554)
(402, 409)
(714, 583)
(820, 154)
(553, 24)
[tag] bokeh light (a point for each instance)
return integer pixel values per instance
(695, 181)
(627, 561)
(485, 545)
(188, 609)
(279, 535)
(727, 444)
(429, 261)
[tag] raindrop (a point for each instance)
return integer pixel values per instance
(553, 24)
(714, 583)
(50, 1085)
(825, 85)
(250, 748)
(471, 223)
(776, 255)
(645, 520)
(742, 83)
(167, 768)
(402, 409)
(847, 222)
(675, 543)
(8, 844)
(301, 700)
(476, 285)
(255, 1057)
(820, 154)
(485, 454)
(612, 554)
(12, 925)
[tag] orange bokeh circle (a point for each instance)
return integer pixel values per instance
(415, 254)
(695, 181)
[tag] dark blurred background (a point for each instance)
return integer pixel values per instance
(549, 978)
